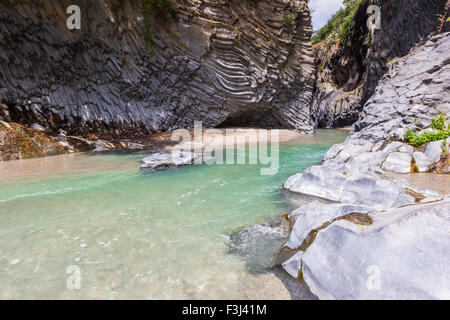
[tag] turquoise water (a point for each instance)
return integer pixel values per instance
(138, 234)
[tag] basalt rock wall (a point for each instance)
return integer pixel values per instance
(223, 62)
(348, 72)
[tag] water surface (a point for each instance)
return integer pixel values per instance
(136, 234)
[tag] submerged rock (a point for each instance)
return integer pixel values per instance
(433, 150)
(259, 245)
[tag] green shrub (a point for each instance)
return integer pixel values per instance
(418, 139)
(338, 26)
(439, 122)
(409, 135)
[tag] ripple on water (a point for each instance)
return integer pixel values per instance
(134, 234)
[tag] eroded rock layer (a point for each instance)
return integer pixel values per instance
(221, 62)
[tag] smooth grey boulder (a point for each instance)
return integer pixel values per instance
(368, 161)
(369, 190)
(422, 162)
(404, 254)
(396, 146)
(433, 150)
(355, 187)
(353, 148)
(37, 126)
(313, 216)
(176, 158)
(333, 151)
(398, 162)
(398, 134)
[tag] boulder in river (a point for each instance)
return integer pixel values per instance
(162, 160)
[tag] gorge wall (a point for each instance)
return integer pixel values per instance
(223, 62)
(235, 62)
(349, 71)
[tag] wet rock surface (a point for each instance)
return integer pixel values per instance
(220, 62)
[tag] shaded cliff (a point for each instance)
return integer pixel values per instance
(349, 70)
(221, 62)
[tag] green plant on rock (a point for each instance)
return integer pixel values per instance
(440, 133)
(288, 18)
(438, 123)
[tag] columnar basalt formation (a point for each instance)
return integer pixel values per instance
(348, 72)
(379, 225)
(221, 62)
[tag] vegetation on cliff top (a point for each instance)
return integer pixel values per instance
(337, 28)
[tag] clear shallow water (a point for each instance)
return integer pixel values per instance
(139, 234)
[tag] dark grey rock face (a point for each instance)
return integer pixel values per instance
(349, 72)
(221, 62)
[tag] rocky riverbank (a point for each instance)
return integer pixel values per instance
(22, 142)
(381, 237)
